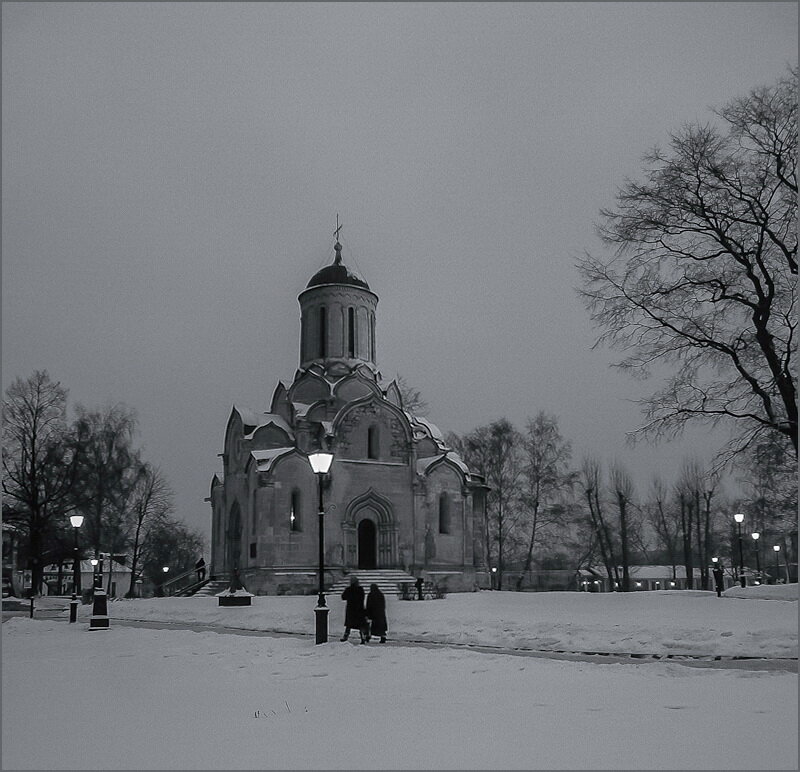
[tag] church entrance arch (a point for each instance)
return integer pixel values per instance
(369, 533)
(367, 544)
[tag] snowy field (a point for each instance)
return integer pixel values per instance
(667, 622)
(134, 698)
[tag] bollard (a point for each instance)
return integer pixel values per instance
(73, 609)
(31, 606)
(99, 618)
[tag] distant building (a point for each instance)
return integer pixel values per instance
(398, 498)
(642, 578)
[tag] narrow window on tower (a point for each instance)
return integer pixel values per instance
(373, 442)
(444, 513)
(295, 522)
(323, 331)
(351, 332)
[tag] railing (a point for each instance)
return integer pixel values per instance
(180, 582)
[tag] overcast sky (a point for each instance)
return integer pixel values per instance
(172, 174)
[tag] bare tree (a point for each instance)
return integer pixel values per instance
(106, 469)
(703, 277)
(546, 477)
(494, 451)
(622, 489)
(411, 397)
(150, 503)
(37, 465)
(662, 518)
(591, 481)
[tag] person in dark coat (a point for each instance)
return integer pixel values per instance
(354, 615)
(200, 567)
(376, 612)
(719, 582)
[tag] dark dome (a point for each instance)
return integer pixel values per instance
(336, 273)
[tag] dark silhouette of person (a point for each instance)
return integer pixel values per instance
(354, 615)
(419, 584)
(719, 582)
(376, 612)
(200, 567)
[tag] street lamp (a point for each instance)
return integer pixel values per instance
(77, 522)
(739, 518)
(777, 549)
(756, 536)
(320, 463)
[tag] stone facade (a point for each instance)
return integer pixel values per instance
(396, 496)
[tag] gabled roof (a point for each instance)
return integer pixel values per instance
(425, 464)
(266, 458)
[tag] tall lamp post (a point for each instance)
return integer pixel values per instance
(777, 549)
(739, 518)
(77, 522)
(756, 536)
(321, 462)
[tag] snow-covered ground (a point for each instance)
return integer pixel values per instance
(134, 698)
(667, 622)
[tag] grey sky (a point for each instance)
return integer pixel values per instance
(172, 173)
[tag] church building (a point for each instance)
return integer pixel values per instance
(396, 498)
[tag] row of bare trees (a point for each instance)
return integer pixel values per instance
(543, 513)
(53, 468)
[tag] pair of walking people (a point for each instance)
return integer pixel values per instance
(369, 620)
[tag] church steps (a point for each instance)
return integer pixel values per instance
(388, 581)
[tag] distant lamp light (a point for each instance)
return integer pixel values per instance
(638, 584)
(320, 461)
(596, 581)
(76, 520)
(739, 517)
(94, 561)
(777, 548)
(756, 582)
(715, 560)
(165, 569)
(494, 570)
(672, 584)
(756, 535)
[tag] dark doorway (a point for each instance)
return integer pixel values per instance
(367, 545)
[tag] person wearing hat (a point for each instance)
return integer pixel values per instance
(354, 615)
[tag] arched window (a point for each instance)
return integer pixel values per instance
(444, 513)
(323, 331)
(351, 332)
(295, 512)
(373, 442)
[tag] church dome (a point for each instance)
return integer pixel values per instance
(336, 273)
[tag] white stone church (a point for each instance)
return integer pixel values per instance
(396, 498)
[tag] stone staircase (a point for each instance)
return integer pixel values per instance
(212, 587)
(388, 581)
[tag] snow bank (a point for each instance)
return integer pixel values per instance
(667, 622)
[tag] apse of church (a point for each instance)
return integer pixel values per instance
(397, 498)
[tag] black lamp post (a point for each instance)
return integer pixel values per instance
(777, 549)
(77, 522)
(321, 462)
(756, 536)
(739, 518)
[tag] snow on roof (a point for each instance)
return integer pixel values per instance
(424, 464)
(644, 572)
(271, 418)
(86, 567)
(432, 428)
(266, 458)
(300, 408)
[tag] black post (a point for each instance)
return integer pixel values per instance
(76, 569)
(742, 579)
(777, 567)
(321, 611)
(758, 560)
